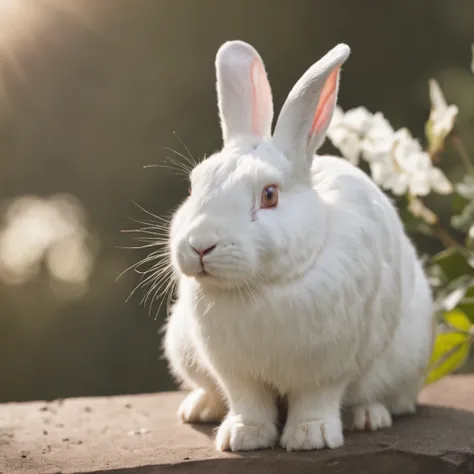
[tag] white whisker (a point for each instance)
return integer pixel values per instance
(193, 161)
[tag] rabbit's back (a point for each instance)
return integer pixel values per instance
(362, 218)
(367, 238)
(366, 234)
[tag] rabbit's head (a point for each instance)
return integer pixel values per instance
(252, 215)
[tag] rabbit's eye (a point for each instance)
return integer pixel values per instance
(269, 196)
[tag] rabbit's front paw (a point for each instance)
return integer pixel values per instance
(371, 417)
(201, 407)
(313, 434)
(235, 435)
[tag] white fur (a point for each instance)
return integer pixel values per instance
(321, 299)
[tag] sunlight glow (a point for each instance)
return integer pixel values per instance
(15, 17)
(40, 235)
(8, 5)
(45, 232)
(25, 25)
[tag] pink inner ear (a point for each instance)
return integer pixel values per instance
(260, 95)
(326, 103)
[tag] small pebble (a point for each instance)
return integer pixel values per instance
(141, 431)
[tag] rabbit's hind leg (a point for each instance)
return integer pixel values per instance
(370, 417)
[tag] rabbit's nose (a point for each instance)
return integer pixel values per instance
(201, 248)
(203, 252)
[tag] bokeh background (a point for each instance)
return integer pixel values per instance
(91, 91)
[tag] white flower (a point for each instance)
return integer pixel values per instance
(407, 168)
(359, 132)
(347, 130)
(379, 138)
(441, 120)
(397, 161)
(439, 182)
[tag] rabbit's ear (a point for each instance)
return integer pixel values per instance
(243, 92)
(307, 112)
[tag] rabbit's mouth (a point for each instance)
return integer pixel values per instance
(204, 274)
(206, 278)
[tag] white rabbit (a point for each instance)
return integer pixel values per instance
(296, 277)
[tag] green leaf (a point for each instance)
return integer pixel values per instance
(464, 220)
(451, 347)
(456, 319)
(458, 203)
(467, 308)
(454, 263)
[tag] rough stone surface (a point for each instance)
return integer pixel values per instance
(140, 434)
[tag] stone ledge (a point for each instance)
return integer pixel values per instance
(140, 434)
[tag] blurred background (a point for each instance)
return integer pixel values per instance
(92, 91)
